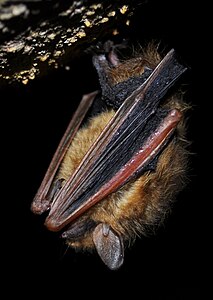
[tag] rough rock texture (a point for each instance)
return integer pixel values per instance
(37, 36)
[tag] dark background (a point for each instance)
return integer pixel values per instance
(166, 266)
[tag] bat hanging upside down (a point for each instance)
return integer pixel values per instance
(122, 159)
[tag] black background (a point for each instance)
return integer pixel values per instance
(165, 266)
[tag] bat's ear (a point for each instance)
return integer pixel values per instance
(109, 246)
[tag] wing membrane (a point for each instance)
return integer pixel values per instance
(93, 179)
(43, 197)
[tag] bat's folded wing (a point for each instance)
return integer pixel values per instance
(129, 143)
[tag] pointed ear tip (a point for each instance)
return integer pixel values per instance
(115, 266)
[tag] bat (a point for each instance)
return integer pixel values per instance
(123, 157)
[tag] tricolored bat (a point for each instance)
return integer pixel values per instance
(123, 157)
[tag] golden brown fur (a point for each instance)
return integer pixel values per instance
(137, 207)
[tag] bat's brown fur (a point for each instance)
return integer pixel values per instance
(139, 205)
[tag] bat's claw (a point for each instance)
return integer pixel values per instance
(39, 207)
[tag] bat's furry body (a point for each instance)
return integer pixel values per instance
(132, 209)
(139, 206)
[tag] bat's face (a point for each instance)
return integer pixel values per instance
(122, 159)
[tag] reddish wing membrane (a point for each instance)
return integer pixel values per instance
(87, 186)
(43, 198)
(149, 150)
